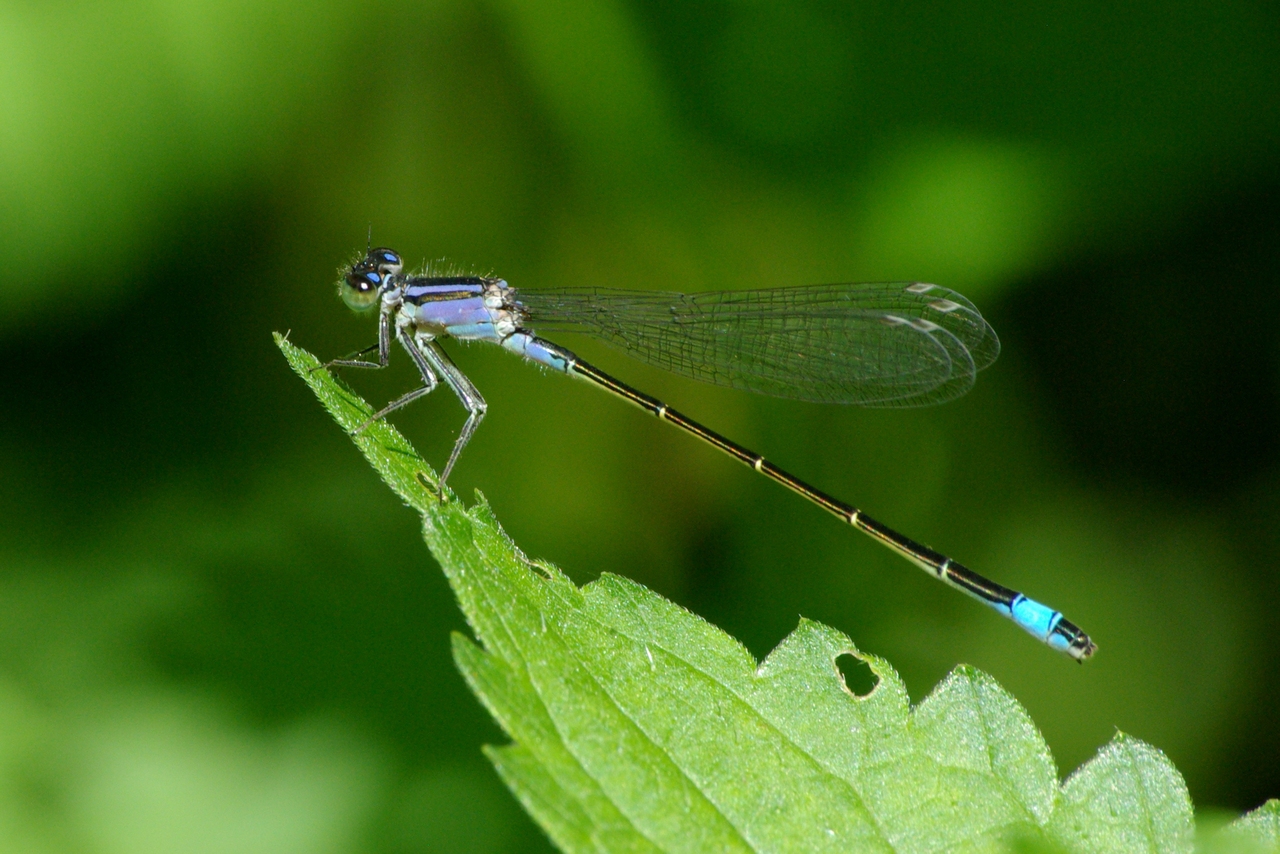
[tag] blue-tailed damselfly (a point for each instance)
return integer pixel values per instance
(887, 345)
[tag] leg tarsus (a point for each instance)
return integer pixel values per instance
(402, 400)
(352, 362)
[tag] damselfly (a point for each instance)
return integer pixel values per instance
(887, 345)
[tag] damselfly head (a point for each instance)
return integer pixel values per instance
(364, 282)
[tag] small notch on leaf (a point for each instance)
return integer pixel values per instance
(859, 679)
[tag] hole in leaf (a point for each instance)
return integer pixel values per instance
(858, 677)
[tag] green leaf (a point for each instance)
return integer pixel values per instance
(638, 726)
(1256, 831)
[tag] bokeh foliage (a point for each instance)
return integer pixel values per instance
(207, 600)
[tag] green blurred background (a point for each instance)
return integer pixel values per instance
(220, 632)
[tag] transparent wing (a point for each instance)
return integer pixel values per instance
(893, 344)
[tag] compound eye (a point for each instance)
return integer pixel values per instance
(386, 260)
(361, 288)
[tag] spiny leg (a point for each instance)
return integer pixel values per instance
(402, 400)
(429, 383)
(466, 392)
(351, 361)
(383, 347)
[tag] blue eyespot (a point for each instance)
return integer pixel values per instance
(385, 260)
